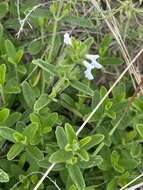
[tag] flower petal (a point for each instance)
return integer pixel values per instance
(88, 74)
(67, 39)
(88, 65)
(96, 65)
(92, 57)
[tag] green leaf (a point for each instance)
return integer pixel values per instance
(51, 69)
(92, 162)
(60, 156)
(73, 187)
(138, 104)
(51, 119)
(7, 133)
(3, 9)
(81, 87)
(119, 168)
(15, 150)
(115, 157)
(30, 131)
(70, 133)
(29, 94)
(84, 141)
(112, 185)
(2, 74)
(42, 101)
(95, 98)
(19, 55)
(119, 92)
(10, 49)
(129, 163)
(12, 86)
(139, 128)
(34, 118)
(136, 150)
(13, 118)
(79, 21)
(88, 42)
(4, 113)
(61, 137)
(104, 45)
(20, 138)
(111, 61)
(83, 154)
(76, 176)
(35, 152)
(1, 31)
(71, 108)
(66, 98)
(95, 140)
(4, 177)
(35, 47)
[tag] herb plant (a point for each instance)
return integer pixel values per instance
(58, 60)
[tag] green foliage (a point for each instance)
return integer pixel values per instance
(4, 178)
(45, 97)
(3, 9)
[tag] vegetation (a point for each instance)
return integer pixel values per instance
(71, 103)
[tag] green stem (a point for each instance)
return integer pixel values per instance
(54, 31)
(2, 93)
(16, 73)
(43, 82)
(98, 124)
(98, 149)
(117, 124)
(101, 145)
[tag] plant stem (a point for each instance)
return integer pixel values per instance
(43, 82)
(98, 124)
(16, 72)
(54, 31)
(101, 145)
(2, 93)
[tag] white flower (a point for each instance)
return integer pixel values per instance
(67, 39)
(91, 60)
(88, 74)
(90, 66)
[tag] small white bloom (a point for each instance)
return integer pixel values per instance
(92, 57)
(88, 70)
(90, 66)
(67, 39)
(96, 65)
(88, 74)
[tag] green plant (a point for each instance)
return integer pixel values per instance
(49, 87)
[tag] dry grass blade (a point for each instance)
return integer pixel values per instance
(115, 31)
(126, 53)
(136, 186)
(132, 182)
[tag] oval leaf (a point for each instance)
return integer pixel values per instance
(60, 156)
(76, 176)
(4, 178)
(35, 152)
(15, 150)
